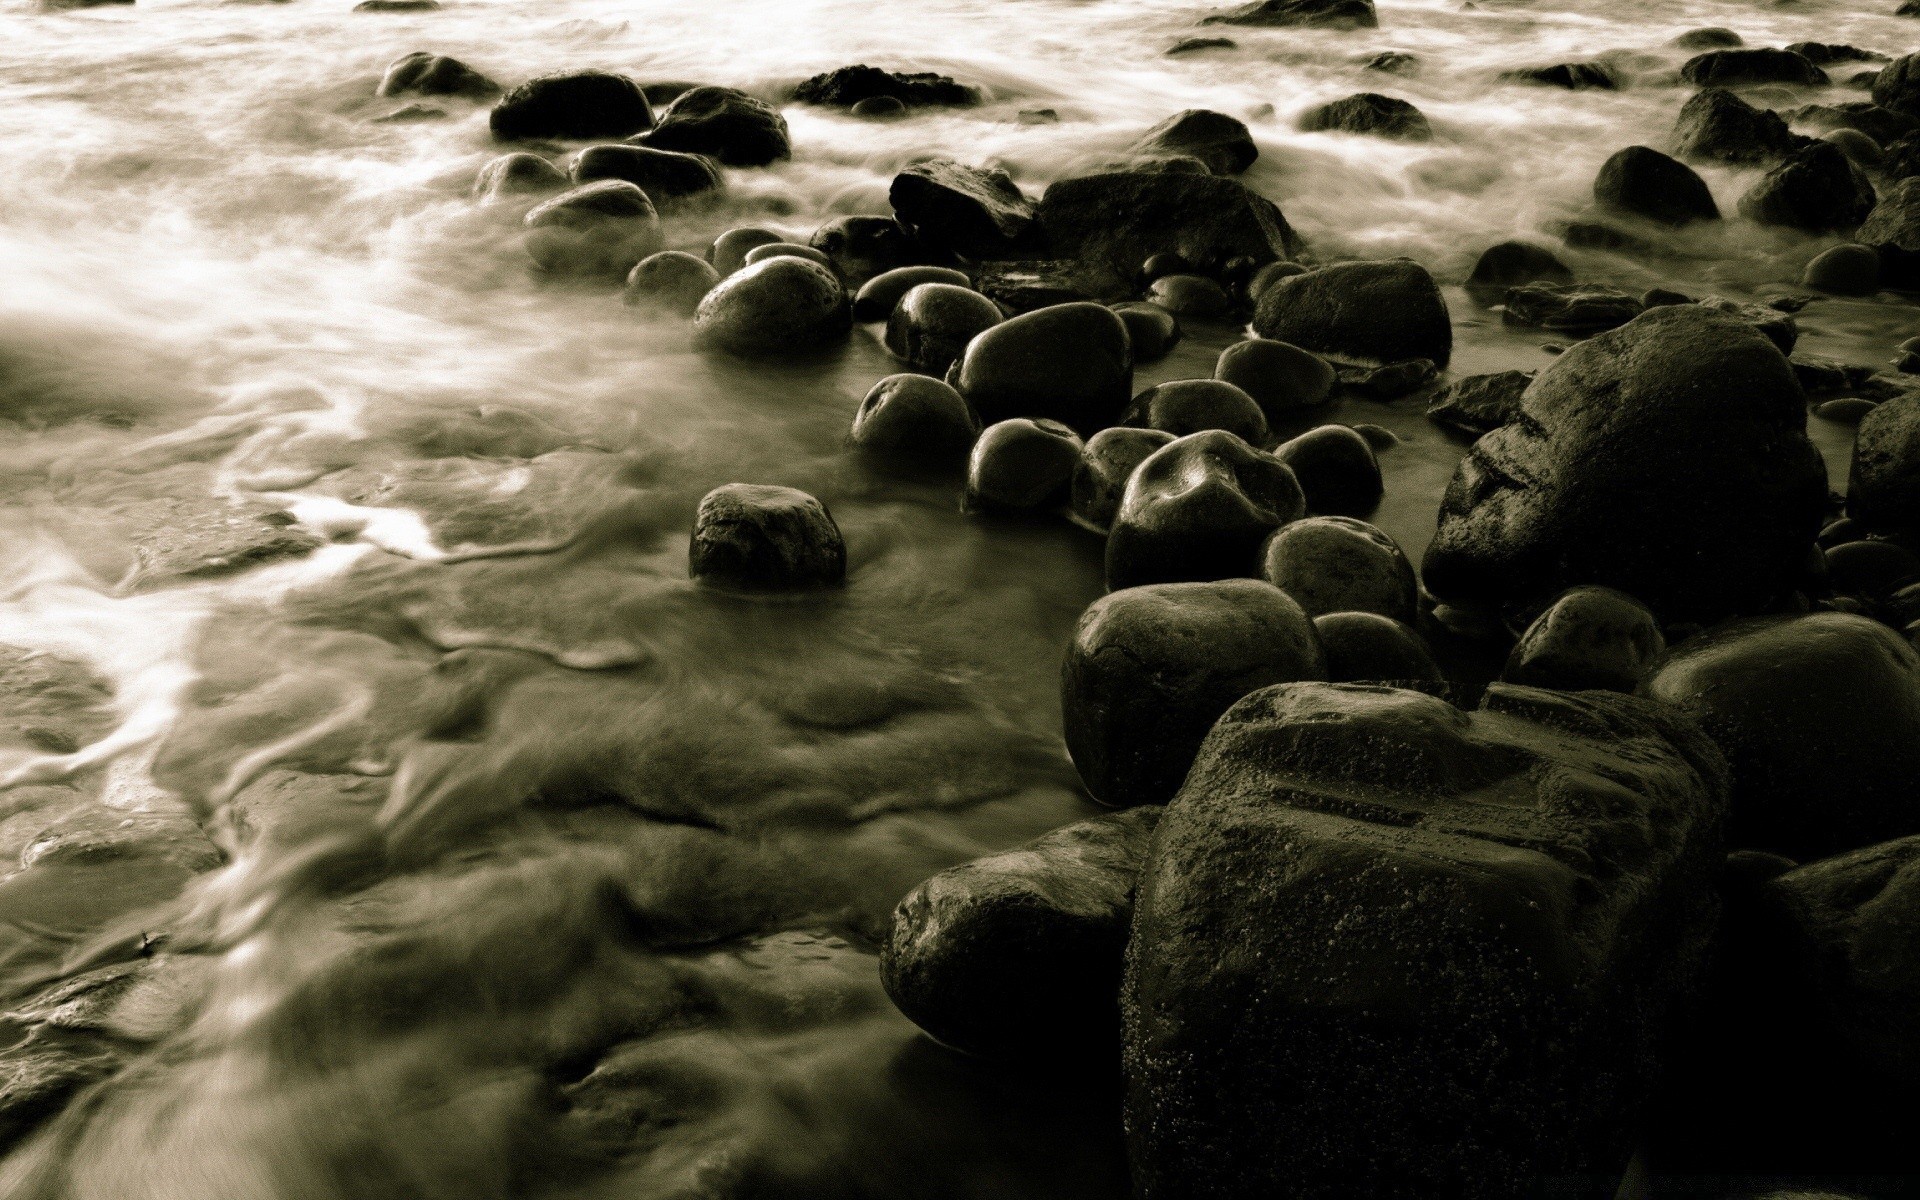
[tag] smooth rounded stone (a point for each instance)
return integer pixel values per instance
(864, 246)
(1017, 956)
(1477, 404)
(1300, 14)
(877, 297)
(1106, 463)
(1389, 382)
(781, 305)
(930, 328)
(1339, 564)
(1714, 37)
(1580, 308)
(409, 114)
(1850, 270)
(1883, 484)
(1151, 330)
(1369, 114)
(1070, 363)
(1195, 45)
(1022, 464)
(665, 176)
(724, 124)
(1193, 296)
(1222, 142)
(1882, 125)
(878, 108)
(1269, 274)
(1591, 638)
(729, 251)
(1378, 436)
(1746, 66)
(1897, 86)
(1110, 223)
(1816, 190)
(1365, 647)
(1183, 406)
(518, 174)
(434, 75)
(757, 537)
(1819, 718)
(600, 229)
(573, 105)
(1162, 265)
(397, 6)
(1667, 458)
(1336, 469)
(1367, 907)
(974, 212)
(1848, 410)
(1372, 312)
(1150, 669)
(1283, 379)
(1646, 183)
(1573, 76)
(1507, 265)
(915, 415)
(672, 281)
(1199, 508)
(1870, 568)
(1717, 125)
(1861, 150)
(845, 87)
(767, 250)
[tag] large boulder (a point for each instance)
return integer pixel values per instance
(1111, 224)
(577, 105)
(1716, 125)
(930, 328)
(1883, 485)
(848, 86)
(1216, 139)
(755, 537)
(778, 306)
(1385, 947)
(1897, 86)
(915, 417)
(1816, 190)
(1309, 14)
(1646, 183)
(862, 246)
(1150, 669)
(970, 211)
(724, 124)
(1199, 508)
(600, 229)
(1370, 312)
(1505, 265)
(1738, 68)
(1282, 379)
(664, 175)
(1893, 230)
(1819, 717)
(1068, 362)
(1477, 404)
(1667, 458)
(1339, 564)
(426, 74)
(1369, 113)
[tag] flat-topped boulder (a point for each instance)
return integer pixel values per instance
(1375, 312)
(725, 124)
(975, 212)
(574, 105)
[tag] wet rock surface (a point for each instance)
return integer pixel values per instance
(1110, 224)
(1378, 312)
(580, 104)
(756, 536)
(1198, 509)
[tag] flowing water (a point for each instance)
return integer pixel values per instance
(354, 863)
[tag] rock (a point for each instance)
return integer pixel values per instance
(1590, 639)
(1883, 484)
(1738, 68)
(1389, 382)
(1646, 183)
(1372, 114)
(1898, 85)
(861, 247)
(1022, 287)
(1477, 404)
(1017, 956)
(1365, 647)
(1892, 229)
(1150, 669)
(1823, 54)
(1861, 150)
(411, 114)
(397, 6)
(1070, 363)
(847, 86)
(601, 229)
(1283, 379)
(1310, 14)
(518, 174)
(1779, 327)
(1667, 458)
(879, 108)
(724, 124)
(1716, 125)
(1110, 224)
(1575, 77)
(755, 537)
(1819, 718)
(1152, 330)
(931, 326)
(1816, 190)
(1216, 139)
(767, 250)
(1506, 265)
(1106, 463)
(917, 416)
(664, 175)
(878, 296)
(1393, 62)
(1850, 270)
(1021, 464)
(575, 105)
(1268, 275)
(1338, 564)
(729, 251)
(1850, 410)
(1366, 907)
(1195, 45)
(1581, 308)
(1198, 509)
(1193, 296)
(671, 281)
(972, 212)
(777, 306)
(1336, 469)
(1870, 568)
(1184, 406)
(435, 75)
(1712, 38)
(1372, 312)
(1877, 123)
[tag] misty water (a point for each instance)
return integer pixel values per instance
(384, 813)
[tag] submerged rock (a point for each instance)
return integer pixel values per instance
(671, 281)
(1070, 363)
(435, 75)
(600, 229)
(1019, 465)
(518, 174)
(1816, 190)
(930, 328)
(847, 86)
(1714, 37)
(780, 305)
(1477, 404)
(1591, 638)
(729, 251)
(1339, 564)
(1883, 484)
(1843, 271)
(1199, 509)
(1574, 76)
(724, 124)
(1646, 183)
(915, 416)
(1376, 312)
(1570, 308)
(970, 211)
(1216, 139)
(1372, 114)
(1311, 14)
(577, 105)
(1283, 379)
(1110, 224)
(1507, 265)
(758, 537)
(1716, 125)
(1106, 463)
(1737, 68)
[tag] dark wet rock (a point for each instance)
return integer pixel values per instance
(861, 247)
(1591, 638)
(724, 124)
(1393, 62)
(1070, 363)
(1861, 150)
(1039, 116)
(1152, 330)
(1106, 463)
(1339, 564)
(1195, 45)
(1819, 374)
(671, 281)
(1646, 183)
(729, 251)
(1150, 669)
(1389, 382)
(518, 174)
(915, 416)
(1111, 223)
(1716, 125)
(1366, 906)
(1880, 124)
(1365, 647)
(1883, 485)
(397, 6)
(777, 306)
(1028, 284)
(879, 108)
(1017, 956)
(435, 75)
(1216, 139)
(847, 86)
(1477, 404)
(1870, 568)
(1022, 464)
(1336, 469)
(1311, 14)
(1601, 235)
(1375, 312)
(1192, 296)
(1850, 270)
(664, 175)
(1849, 410)
(412, 114)
(1369, 113)
(1711, 38)
(1779, 327)
(971, 211)
(930, 328)
(599, 229)
(1199, 509)
(1892, 229)
(576, 105)
(754, 537)
(1570, 308)
(1739, 68)
(1269, 274)
(1667, 458)
(1822, 54)
(1282, 378)
(1574, 76)
(1898, 85)
(1819, 717)
(876, 298)
(767, 250)
(1183, 406)
(1506, 265)
(1816, 190)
